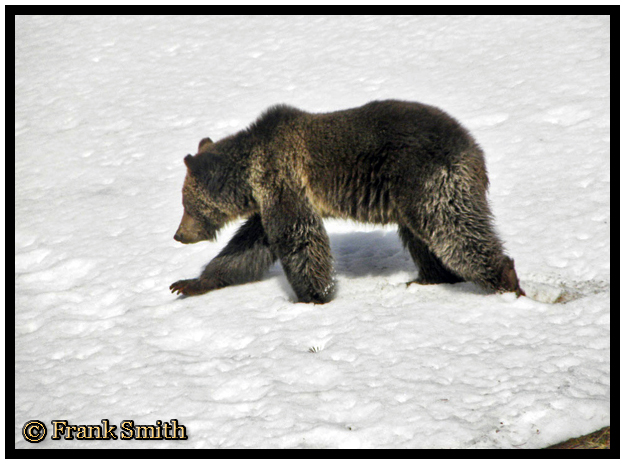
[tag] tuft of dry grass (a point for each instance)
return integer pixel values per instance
(596, 440)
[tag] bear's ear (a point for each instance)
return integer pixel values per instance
(204, 144)
(191, 162)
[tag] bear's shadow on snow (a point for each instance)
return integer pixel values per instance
(375, 253)
(361, 254)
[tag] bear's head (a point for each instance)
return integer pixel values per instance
(209, 195)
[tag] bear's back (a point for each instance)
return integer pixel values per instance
(355, 159)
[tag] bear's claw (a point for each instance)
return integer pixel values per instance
(184, 287)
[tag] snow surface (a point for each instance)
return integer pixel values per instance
(107, 107)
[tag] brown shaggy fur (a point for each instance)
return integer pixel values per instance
(385, 162)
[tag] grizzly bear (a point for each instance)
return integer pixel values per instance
(385, 162)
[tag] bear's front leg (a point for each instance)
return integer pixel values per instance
(298, 238)
(245, 259)
(190, 287)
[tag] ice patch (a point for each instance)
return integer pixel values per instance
(554, 293)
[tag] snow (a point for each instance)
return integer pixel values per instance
(107, 107)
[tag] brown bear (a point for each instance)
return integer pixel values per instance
(384, 162)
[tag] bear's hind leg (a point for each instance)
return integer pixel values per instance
(466, 245)
(431, 270)
(449, 212)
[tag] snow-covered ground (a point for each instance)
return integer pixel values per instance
(107, 107)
